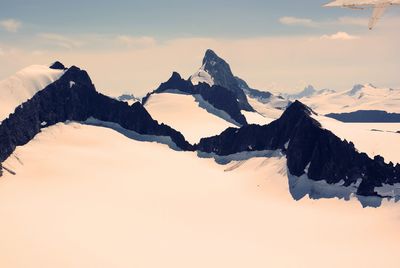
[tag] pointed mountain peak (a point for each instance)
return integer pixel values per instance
(211, 59)
(175, 77)
(298, 106)
(57, 66)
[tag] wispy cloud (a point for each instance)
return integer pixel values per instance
(297, 21)
(10, 25)
(339, 36)
(134, 41)
(307, 22)
(61, 40)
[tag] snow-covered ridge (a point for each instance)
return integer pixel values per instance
(360, 97)
(186, 114)
(24, 85)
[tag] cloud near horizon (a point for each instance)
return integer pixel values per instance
(10, 25)
(278, 63)
(307, 22)
(340, 36)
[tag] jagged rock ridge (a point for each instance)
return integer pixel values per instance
(309, 149)
(74, 97)
(219, 97)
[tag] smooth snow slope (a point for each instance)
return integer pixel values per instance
(370, 138)
(87, 196)
(23, 86)
(184, 114)
(271, 109)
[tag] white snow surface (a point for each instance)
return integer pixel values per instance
(361, 97)
(201, 76)
(183, 113)
(370, 138)
(271, 108)
(24, 85)
(86, 196)
(256, 118)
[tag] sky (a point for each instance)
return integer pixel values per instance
(133, 46)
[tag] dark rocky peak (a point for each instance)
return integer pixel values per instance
(309, 150)
(212, 60)
(58, 66)
(74, 76)
(73, 97)
(175, 82)
(218, 96)
(222, 75)
(219, 70)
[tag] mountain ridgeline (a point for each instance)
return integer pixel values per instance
(309, 149)
(219, 97)
(74, 97)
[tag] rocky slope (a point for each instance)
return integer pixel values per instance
(74, 97)
(220, 73)
(219, 97)
(309, 149)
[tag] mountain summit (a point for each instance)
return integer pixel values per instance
(216, 71)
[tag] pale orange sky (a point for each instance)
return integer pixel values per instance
(278, 63)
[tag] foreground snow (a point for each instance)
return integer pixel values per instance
(183, 113)
(87, 196)
(23, 85)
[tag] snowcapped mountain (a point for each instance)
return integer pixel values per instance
(216, 71)
(73, 97)
(360, 97)
(86, 196)
(22, 86)
(80, 168)
(307, 92)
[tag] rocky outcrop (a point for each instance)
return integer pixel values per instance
(58, 66)
(222, 75)
(309, 149)
(74, 97)
(219, 97)
(366, 116)
(251, 92)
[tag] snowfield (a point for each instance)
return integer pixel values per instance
(361, 97)
(24, 85)
(370, 138)
(87, 196)
(271, 109)
(183, 113)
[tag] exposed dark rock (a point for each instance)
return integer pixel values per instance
(222, 75)
(219, 97)
(127, 97)
(74, 97)
(58, 66)
(254, 93)
(307, 145)
(366, 116)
